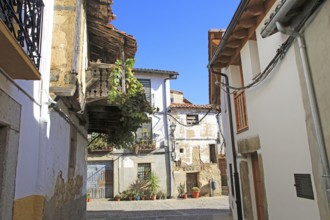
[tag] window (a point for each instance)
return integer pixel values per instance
(213, 156)
(240, 102)
(146, 83)
(192, 120)
(304, 187)
(240, 111)
(144, 170)
(144, 134)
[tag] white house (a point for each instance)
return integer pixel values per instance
(122, 167)
(275, 128)
(197, 149)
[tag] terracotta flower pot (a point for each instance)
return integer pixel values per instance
(195, 194)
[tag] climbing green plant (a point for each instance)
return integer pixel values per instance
(133, 104)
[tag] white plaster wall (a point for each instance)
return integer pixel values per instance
(276, 114)
(228, 144)
(32, 114)
(199, 140)
(157, 94)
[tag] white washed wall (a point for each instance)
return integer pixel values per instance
(276, 114)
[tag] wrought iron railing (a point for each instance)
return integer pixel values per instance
(24, 19)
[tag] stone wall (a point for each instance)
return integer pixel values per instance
(67, 202)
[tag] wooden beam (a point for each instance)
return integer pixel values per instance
(240, 34)
(255, 10)
(247, 23)
(228, 52)
(224, 59)
(234, 43)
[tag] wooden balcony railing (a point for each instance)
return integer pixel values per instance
(240, 111)
(97, 80)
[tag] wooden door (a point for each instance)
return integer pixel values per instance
(191, 181)
(258, 187)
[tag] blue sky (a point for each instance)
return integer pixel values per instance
(172, 35)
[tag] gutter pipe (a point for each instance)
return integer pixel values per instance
(283, 9)
(233, 149)
(167, 149)
(313, 105)
(231, 27)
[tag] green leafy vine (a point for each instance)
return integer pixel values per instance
(133, 104)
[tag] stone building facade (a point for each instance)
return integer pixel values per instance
(196, 146)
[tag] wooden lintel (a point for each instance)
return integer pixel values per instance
(255, 10)
(247, 23)
(240, 34)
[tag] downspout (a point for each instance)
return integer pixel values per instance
(233, 149)
(167, 149)
(313, 105)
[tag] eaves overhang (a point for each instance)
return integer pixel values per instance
(13, 59)
(171, 74)
(246, 19)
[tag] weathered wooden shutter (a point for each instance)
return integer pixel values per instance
(146, 83)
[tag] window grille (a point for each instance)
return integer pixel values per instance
(144, 170)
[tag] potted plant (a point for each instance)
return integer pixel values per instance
(88, 197)
(117, 197)
(142, 195)
(153, 185)
(181, 190)
(195, 192)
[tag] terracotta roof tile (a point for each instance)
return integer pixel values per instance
(191, 106)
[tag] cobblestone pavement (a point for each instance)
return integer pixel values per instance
(204, 208)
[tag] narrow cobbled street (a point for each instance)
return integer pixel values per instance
(204, 208)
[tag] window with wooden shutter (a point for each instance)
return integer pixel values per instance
(240, 111)
(146, 83)
(304, 187)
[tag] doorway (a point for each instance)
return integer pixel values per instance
(191, 182)
(100, 179)
(258, 186)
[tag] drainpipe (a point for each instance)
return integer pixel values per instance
(167, 149)
(233, 149)
(313, 105)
